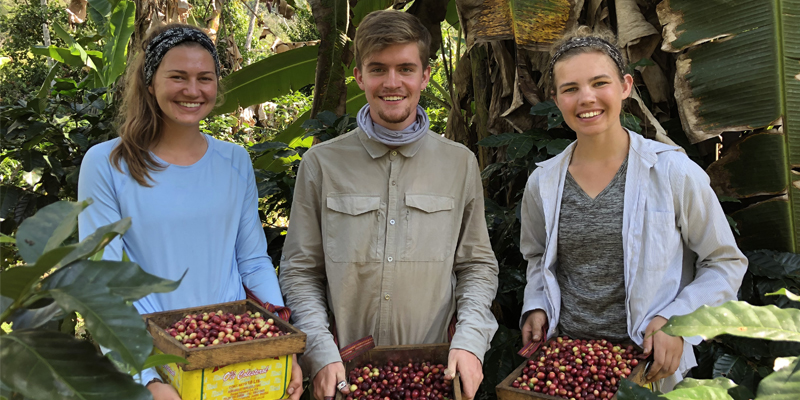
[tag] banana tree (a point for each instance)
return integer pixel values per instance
(115, 21)
(742, 74)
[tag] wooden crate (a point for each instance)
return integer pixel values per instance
(226, 354)
(379, 356)
(505, 391)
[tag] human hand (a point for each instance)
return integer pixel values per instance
(532, 328)
(326, 379)
(295, 388)
(163, 391)
(667, 350)
(470, 368)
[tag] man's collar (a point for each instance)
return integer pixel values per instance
(377, 149)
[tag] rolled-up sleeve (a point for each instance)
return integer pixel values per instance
(302, 270)
(476, 274)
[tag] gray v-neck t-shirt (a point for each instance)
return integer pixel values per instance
(590, 270)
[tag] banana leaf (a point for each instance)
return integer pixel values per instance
(532, 24)
(269, 78)
(119, 30)
(738, 71)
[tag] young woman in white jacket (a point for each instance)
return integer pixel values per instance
(620, 232)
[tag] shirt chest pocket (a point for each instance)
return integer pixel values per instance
(352, 223)
(429, 227)
(661, 240)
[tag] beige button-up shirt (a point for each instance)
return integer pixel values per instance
(392, 243)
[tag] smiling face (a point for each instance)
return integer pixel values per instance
(185, 86)
(392, 80)
(589, 93)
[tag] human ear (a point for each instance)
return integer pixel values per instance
(627, 85)
(426, 77)
(359, 77)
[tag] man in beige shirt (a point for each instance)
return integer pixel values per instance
(387, 233)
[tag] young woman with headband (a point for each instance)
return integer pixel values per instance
(620, 232)
(192, 199)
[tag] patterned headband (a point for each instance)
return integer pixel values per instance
(165, 41)
(593, 42)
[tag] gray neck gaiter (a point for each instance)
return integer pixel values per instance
(411, 134)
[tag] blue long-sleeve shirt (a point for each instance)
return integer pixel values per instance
(202, 217)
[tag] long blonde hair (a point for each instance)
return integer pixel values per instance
(140, 119)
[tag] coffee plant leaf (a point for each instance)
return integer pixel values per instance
(520, 146)
(773, 264)
(701, 389)
(47, 229)
(124, 279)
(737, 318)
(50, 365)
(736, 368)
(113, 323)
(498, 140)
(741, 393)
(97, 240)
(783, 384)
(156, 360)
(19, 280)
(689, 383)
(631, 391)
(31, 319)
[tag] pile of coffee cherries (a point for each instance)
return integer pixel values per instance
(578, 369)
(214, 328)
(407, 381)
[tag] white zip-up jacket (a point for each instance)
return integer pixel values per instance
(679, 251)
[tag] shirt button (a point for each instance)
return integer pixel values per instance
(389, 259)
(386, 296)
(391, 222)
(394, 153)
(394, 183)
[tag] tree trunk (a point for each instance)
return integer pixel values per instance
(46, 33)
(253, 18)
(332, 19)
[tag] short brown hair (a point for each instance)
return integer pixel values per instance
(381, 29)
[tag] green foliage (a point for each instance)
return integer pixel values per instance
(43, 143)
(328, 126)
(734, 375)
(115, 21)
(748, 360)
(302, 27)
(58, 280)
(20, 29)
(738, 318)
